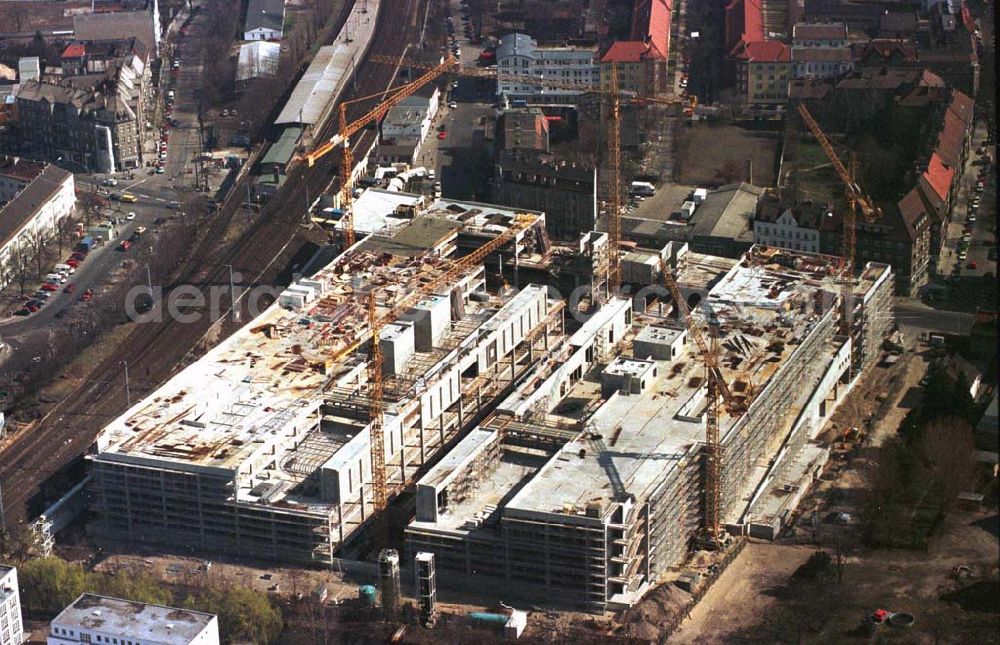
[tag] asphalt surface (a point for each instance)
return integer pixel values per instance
(153, 350)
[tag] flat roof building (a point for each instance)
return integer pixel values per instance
(585, 485)
(101, 619)
(265, 440)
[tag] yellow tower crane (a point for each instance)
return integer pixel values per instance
(856, 201)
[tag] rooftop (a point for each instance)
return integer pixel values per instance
(819, 31)
(154, 623)
(644, 434)
(265, 14)
(255, 390)
(19, 211)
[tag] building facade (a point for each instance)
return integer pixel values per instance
(764, 69)
(797, 227)
(11, 625)
(565, 191)
(112, 621)
(95, 128)
(34, 198)
(520, 60)
(820, 50)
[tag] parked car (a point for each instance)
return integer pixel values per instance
(130, 215)
(442, 135)
(87, 295)
(48, 286)
(70, 288)
(23, 311)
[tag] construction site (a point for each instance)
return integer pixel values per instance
(551, 446)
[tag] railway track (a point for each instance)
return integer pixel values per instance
(154, 350)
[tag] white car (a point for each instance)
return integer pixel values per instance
(453, 105)
(130, 216)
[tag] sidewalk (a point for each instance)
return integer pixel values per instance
(948, 259)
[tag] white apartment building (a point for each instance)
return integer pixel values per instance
(520, 60)
(33, 197)
(101, 620)
(11, 627)
(786, 231)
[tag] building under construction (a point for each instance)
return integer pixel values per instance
(566, 434)
(262, 447)
(588, 481)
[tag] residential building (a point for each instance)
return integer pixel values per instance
(564, 190)
(34, 198)
(820, 50)
(265, 20)
(136, 19)
(523, 129)
(764, 69)
(642, 59)
(102, 620)
(95, 127)
(797, 227)
(901, 237)
(744, 24)
(821, 34)
(935, 188)
(885, 52)
(520, 60)
(11, 625)
(257, 59)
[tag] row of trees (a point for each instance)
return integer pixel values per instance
(50, 584)
(29, 258)
(916, 477)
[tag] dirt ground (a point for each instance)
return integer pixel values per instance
(740, 603)
(713, 154)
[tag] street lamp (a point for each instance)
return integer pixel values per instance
(232, 294)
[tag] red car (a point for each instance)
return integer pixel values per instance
(48, 286)
(125, 245)
(69, 288)
(972, 264)
(87, 295)
(73, 263)
(442, 135)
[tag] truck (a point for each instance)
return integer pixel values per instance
(86, 244)
(643, 188)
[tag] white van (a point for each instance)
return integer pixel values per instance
(64, 268)
(643, 188)
(430, 174)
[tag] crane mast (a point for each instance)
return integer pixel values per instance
(856, 201)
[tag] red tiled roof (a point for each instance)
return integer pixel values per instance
(821, 54)
(951, 140)
(962, 106)
(744, 17)
(625, 51)
(939, 176)
(651, 24)
(911, 207)
(930, 79)
(74, 50)
(885, 48)
(819, 31)
(765, 51)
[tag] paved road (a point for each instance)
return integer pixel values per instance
(915, 316)
(155, 192)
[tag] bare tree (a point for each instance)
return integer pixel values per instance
(946, 446)
(38, 239)
(21, 261)
(65, 228)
